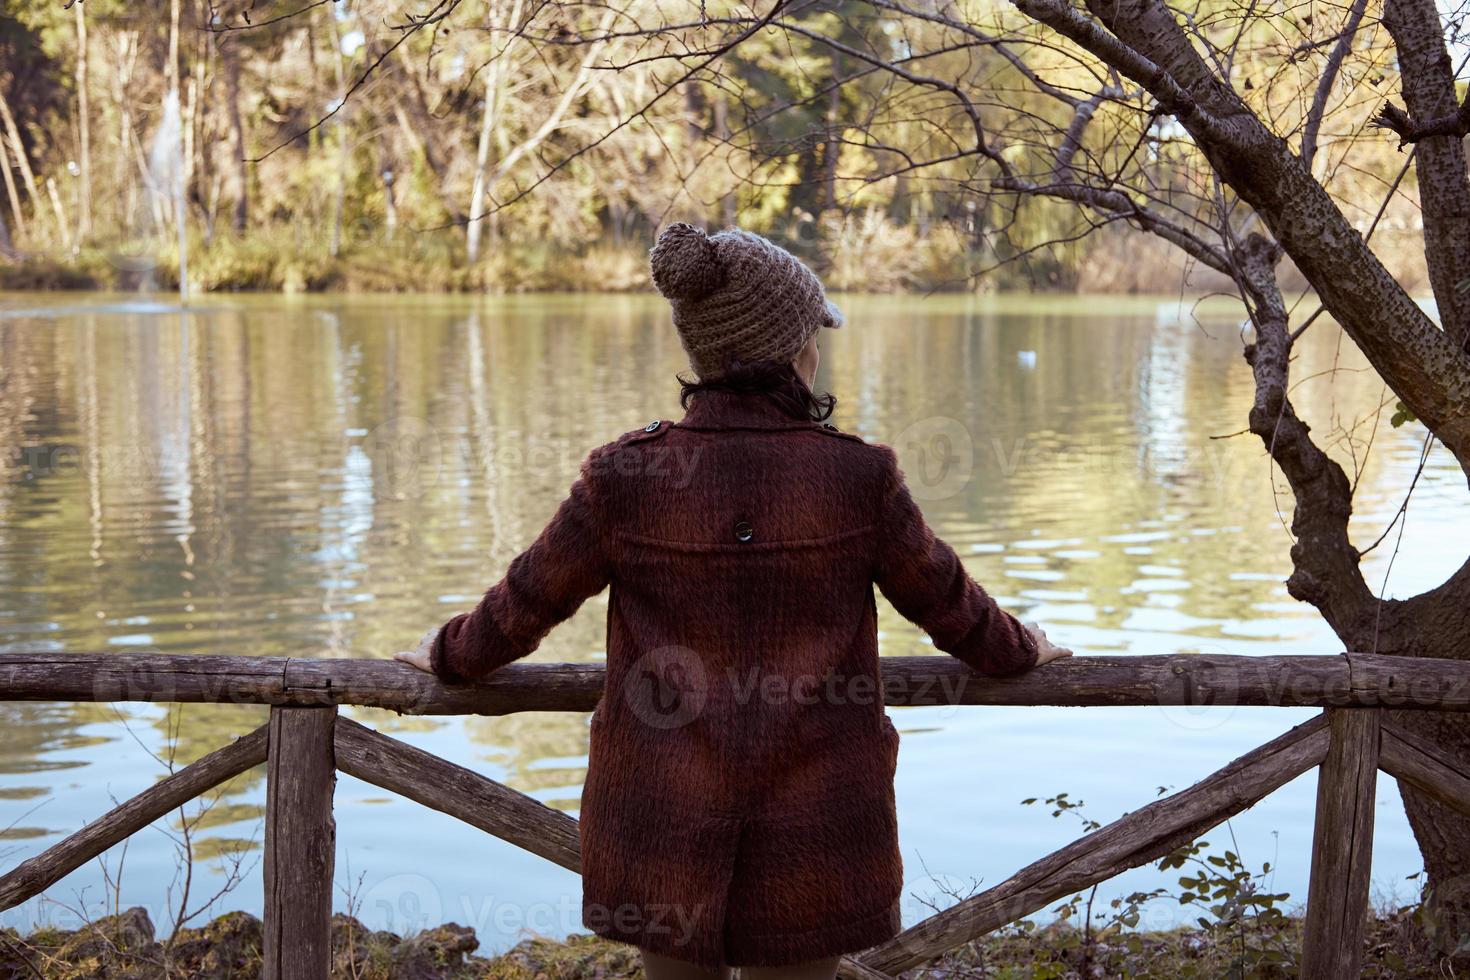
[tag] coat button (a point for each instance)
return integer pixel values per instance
(829, 425)
(651, 426)
(743, 531)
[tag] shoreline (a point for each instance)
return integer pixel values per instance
(125, 946)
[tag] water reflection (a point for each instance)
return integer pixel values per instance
(329, 476)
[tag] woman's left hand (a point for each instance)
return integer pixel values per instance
(420, 657)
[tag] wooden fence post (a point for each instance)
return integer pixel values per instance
(1342, 847)
(300, 844)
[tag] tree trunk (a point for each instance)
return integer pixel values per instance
(1425, 367)
(339, 194)
(417, 120)
(18, 150)
(482, 160)
(237, 173)
(503, 19)
(1435, 624)
(728, 204)
(62, 231)
(389, 180)
(832, 148)
(84, 129)
(7, 250)
(339, 191)
(1428, 85)
(10, 191)
(1327, 573)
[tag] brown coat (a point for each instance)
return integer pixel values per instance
(739, 803)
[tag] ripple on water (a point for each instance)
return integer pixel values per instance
(240, 479)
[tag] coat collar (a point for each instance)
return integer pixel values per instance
(734, 410)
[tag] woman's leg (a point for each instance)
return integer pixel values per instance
(656, 967)
(815, 970)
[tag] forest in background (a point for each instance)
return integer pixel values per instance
(342, 144)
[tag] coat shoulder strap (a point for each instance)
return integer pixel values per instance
(653, 430)
(832, 430)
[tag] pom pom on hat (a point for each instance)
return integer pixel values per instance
(685, 263)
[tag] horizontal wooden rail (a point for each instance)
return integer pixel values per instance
(1320, 681)
(306, 747)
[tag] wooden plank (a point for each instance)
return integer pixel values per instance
(441, 785)
(300, 845)
(288, 681)
(853, 969)
(1410, 759)
(35, 875)
(1408, 682)
(1145, 835)
(1184, 679)
(1342, 848)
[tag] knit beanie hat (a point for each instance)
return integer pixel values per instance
(737, 295)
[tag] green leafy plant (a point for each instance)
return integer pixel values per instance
(1236, 911)
(1237, 908)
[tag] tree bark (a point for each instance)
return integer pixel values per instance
(84, 130)
(237, 172)
(10, 191)
(18, 150)
(1423, 365)
(1427, 79)
(482, 160)
(7, 248)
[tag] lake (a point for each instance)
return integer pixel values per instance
(331, 476)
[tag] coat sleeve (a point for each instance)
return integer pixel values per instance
(924, 580)
(544, 585)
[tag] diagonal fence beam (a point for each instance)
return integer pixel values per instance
(1413, 760)
(441, 785)
(851, 968)
(35, 875)
(1144, 835)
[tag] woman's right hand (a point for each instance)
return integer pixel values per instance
(1047, 651)
(422, 656)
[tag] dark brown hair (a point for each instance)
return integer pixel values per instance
(776, 380)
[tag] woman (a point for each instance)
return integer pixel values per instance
(738, 809)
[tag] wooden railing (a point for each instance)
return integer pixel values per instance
(305, 743)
